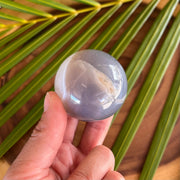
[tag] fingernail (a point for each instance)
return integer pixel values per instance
(46, 102)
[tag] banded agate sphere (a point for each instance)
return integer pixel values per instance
(91, 84)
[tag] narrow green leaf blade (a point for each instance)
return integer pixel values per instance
(148, 45)
(34, 115)
(26, 50)
(146, 94)
(165, 126)
(48, 72)
(12, 18)
(141, 57)
(2, 33)
(113, 28)
(132, 30)
(89, 2)
(164, 130)
(11, 36)
(17, 43)
(44, 56)
(22, 8)
(24, 125)
(55, 5)
(89, 33)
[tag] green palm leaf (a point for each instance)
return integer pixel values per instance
(89, 2)
(19, 7)
(81, 25)
(25, 73)
(146, 94)
(3, 32)
(168, 117)
(10, 48)
(112, 29)
(55, 5)
(12, 18)
(44, 56)
(15, 34)
(129, 34)
(148, 45)
(48, 72)
(25, 124)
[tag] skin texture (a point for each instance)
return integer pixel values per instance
(50, 155)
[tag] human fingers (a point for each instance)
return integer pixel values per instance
(95, 165)
(46, 138)
(94, 134)
(113, 175)
(70, 129)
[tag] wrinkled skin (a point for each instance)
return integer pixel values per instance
(50, 155)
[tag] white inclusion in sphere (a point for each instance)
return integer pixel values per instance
(91, 84)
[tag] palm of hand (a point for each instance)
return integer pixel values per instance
(67, 160)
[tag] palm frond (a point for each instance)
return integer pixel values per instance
(147, 93)
(25, 73)
(48, 72)
(78, 27)
(168, 117)
(148, 45)
(130, 33)
(113, 28)
(164, 129)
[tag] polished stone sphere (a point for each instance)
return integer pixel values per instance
(91, 84)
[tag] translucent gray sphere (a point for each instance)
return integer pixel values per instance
(91, 84)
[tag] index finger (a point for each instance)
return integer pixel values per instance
(94, 134)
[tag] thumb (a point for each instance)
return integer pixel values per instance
(46, 139)
(95, 165)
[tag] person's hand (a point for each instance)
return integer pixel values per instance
(50, 155)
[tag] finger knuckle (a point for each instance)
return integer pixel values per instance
(38, 131)
(107, 154)
(105, 151)
(80, 175)
(114, 175)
